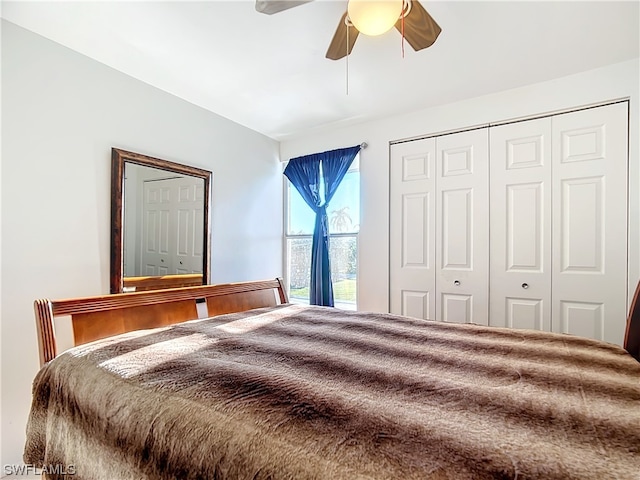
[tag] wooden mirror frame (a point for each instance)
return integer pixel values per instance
(117, 282)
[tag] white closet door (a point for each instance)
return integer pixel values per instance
(462, 226)
(158, 221)
(189, 226)
(172, 228)
(520, 200)
(412, 228)
(590, 222)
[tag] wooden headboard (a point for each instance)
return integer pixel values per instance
(632, 333)
(93, 318)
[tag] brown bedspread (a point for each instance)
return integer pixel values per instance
(297, 392)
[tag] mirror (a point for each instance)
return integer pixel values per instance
(159, 223)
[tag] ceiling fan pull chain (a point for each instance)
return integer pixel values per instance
(406, 8)
(347, 57)
(402, 39)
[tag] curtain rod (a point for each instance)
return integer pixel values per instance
(363, 145)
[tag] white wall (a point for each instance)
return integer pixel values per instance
(612, 82)
(61, 114)
(1, 387)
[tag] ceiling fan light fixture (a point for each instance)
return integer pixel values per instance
(374, 17)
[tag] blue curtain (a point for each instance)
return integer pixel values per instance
(304, 174)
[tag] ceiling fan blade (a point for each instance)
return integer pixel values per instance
(420, 29)
(274, 6)
(338, 47)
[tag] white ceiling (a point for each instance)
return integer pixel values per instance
(269, 73)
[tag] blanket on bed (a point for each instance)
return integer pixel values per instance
(295, 392)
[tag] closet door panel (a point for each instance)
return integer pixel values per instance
(590, 222)
(462, 227)
(520, 200)
(159, 220)
(412, 226)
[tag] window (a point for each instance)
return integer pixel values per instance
(343, 214)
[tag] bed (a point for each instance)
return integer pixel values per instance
(233, 382)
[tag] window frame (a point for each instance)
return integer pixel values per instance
(355, 167)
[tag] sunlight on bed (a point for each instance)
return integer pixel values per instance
(248, 324)
(151, 356)
(148, 357)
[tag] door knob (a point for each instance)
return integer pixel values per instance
(525, 285)
(162, 260)
(456, 282)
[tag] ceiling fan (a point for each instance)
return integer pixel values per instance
(410, 19)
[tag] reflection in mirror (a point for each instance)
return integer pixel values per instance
(163, 222)
(160, 223)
